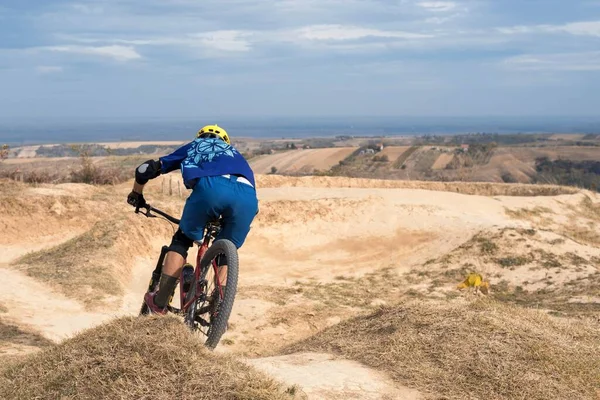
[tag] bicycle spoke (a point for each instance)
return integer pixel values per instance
(205, 307)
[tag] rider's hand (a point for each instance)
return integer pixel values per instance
(136, 199)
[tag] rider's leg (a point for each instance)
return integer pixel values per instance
(241, 209)
(172, 267)
(168, 279)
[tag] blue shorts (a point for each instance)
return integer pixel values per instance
(216, 196)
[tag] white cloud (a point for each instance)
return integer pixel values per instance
(116, 52)
(225, 40)
(87, 9)
(48, 69)
(583, 28)
(221, 43)
(440, 20)
(340, 32)
(438, 6)
(589, 28)
(231, 41)
(586, 61)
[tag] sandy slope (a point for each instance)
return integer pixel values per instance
(310, 232)
(31, 303)
(443, 160)
(372, 228)
(393, 152)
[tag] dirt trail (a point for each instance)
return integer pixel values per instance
(33, 304)
(322, 376)
(304, 238)
(12, 252)
(372, 228)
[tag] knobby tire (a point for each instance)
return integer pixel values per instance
(218, 323)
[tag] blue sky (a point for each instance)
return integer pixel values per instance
(184, 58)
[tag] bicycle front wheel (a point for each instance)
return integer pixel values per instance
(210, 313)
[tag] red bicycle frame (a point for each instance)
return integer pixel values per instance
(197, 270)
(203, 248)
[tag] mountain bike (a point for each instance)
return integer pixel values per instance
(205, 302)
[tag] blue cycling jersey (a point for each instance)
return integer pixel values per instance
(207, 157)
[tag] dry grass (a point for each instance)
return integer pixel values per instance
(274, 294)
(557, 300)
(134, 358)
(94, 266)
(583, 224)
(82, 267)
(590, 209)
(94, 170)
(528, 213)
(474, 188)
(354, 292)
(310, 306)
(588, 232)
(404, 156)
(425, 159)
(527, 267)
(582, 234)
(13, 334)
(483, 350)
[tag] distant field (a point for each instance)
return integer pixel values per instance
(26, 160)
(393, 152)
(405, 156)
(567, 136)
(443, 160)
(301, 161)
(529, 154)
(133, 145)
(31, 151)
(503, 163)
(422, 159)
(519, 163)
(27, 151)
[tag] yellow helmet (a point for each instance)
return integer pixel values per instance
(212, 131)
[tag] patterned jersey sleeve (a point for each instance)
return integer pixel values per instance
(173, 161)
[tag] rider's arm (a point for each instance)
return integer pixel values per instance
(173, 161)
(152, 169)
(143, 173)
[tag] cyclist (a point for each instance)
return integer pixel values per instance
(222, 185)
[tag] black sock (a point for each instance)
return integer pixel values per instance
(166, 289)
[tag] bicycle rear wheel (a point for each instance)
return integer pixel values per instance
(210, 312)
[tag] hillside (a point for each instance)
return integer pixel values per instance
(303, 161)
(445, 163)
(134, 359)
(482, 350)
(559, 159)
(323, 251)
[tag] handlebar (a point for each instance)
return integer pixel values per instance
(150, 209)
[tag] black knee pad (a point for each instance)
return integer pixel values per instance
(181, 243)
